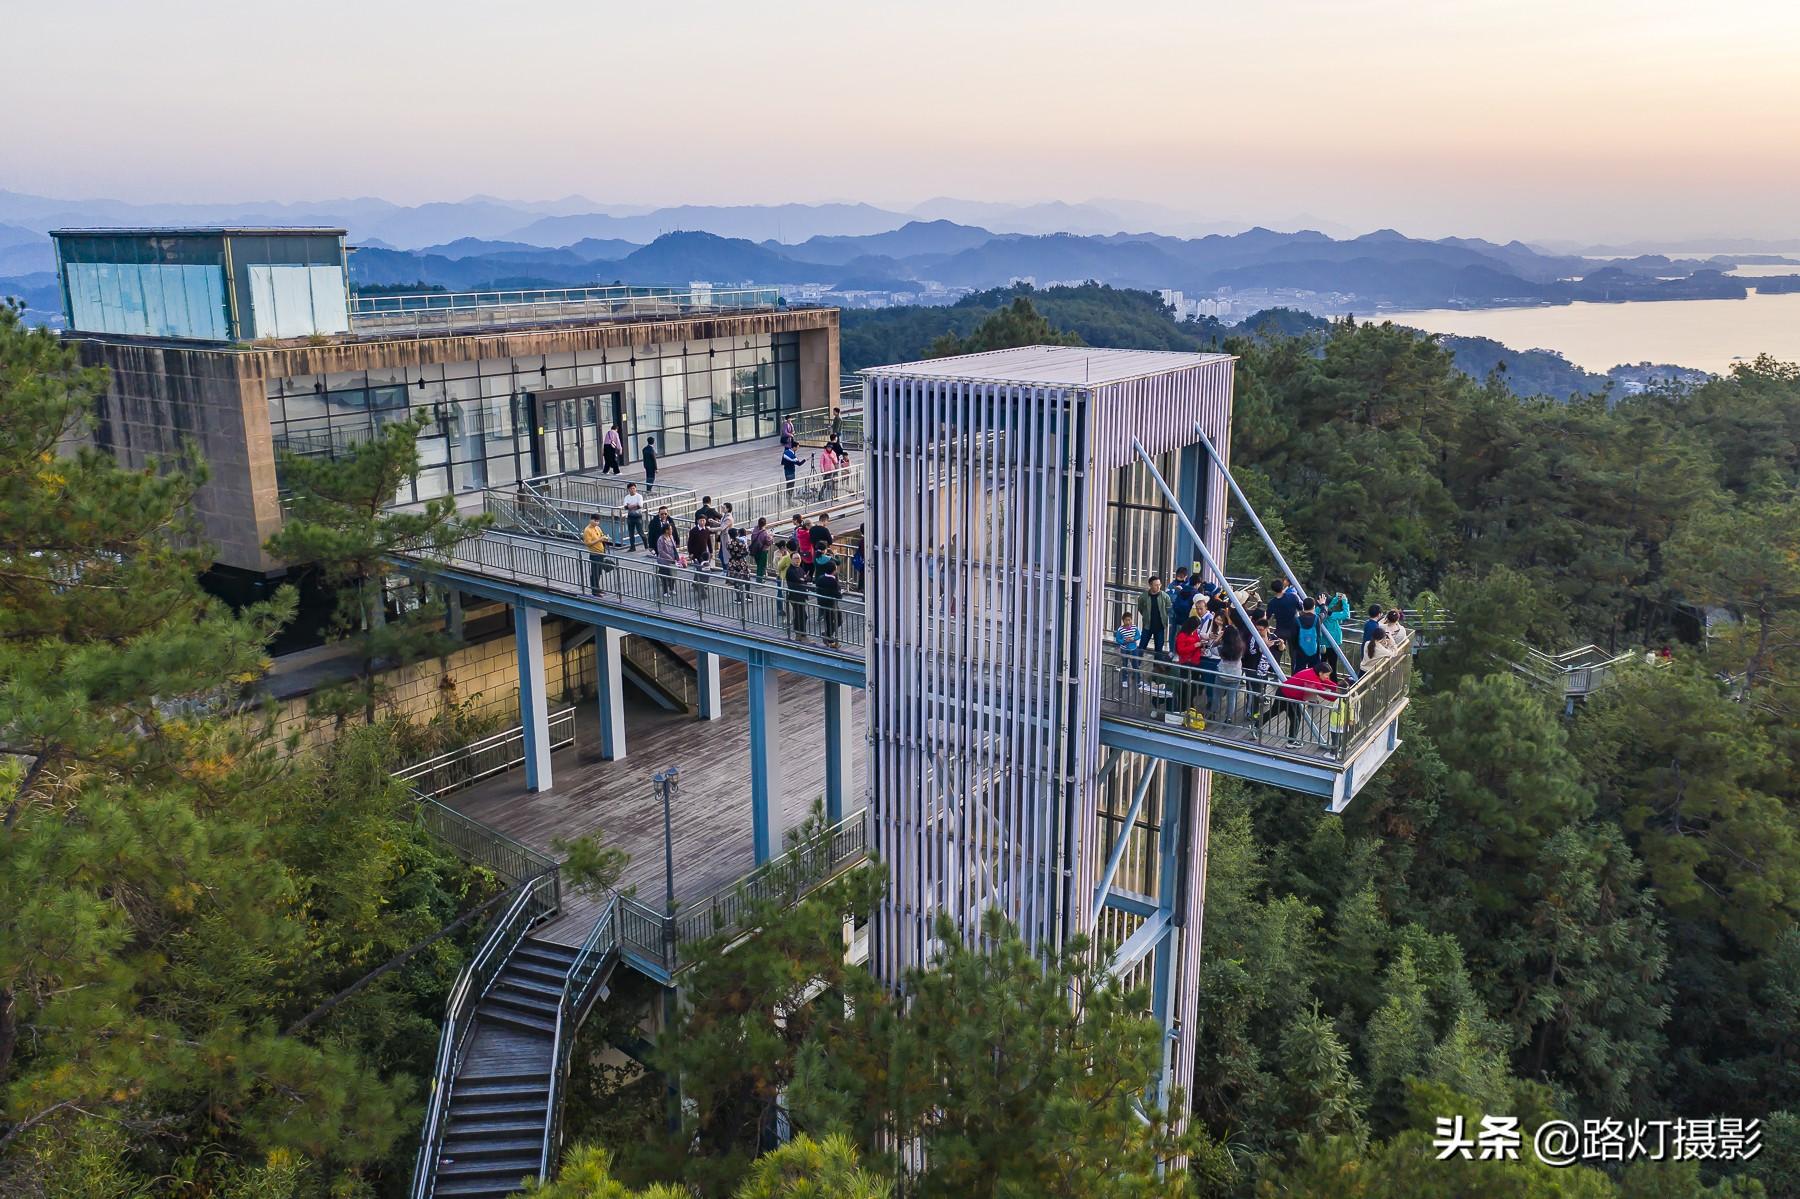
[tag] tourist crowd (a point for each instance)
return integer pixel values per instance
(1202, 655)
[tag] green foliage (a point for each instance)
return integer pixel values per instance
(801, 1169)
(1016, 325)
(173, 896)
(340, 521)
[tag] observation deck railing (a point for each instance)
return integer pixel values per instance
(1329, 726)
(1574, 674)
(703, 597)
(441, 314)
(483, 758)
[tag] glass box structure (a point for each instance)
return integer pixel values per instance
(218, 285)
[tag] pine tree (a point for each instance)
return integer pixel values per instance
(343, 521)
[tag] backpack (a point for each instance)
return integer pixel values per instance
(1309, 639)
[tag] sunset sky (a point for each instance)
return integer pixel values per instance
(1592, 119)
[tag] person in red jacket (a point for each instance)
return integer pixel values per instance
(1190, 648)
(1317, 684)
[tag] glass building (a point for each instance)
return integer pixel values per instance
(221, 285)
(494, 421)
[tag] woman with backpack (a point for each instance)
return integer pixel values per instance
(761, 542)
(1309, 640)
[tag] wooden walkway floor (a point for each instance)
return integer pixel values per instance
(616, 801)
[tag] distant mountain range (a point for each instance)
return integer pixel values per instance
(944, 248)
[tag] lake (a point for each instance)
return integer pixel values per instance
(1706, 334)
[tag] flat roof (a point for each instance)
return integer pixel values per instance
(1050, 366)
(206, 231)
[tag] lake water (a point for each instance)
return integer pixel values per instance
(1707, 334)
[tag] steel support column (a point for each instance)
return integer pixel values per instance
(706, 672)
(610, 686)
(765, 760)
(840, 726)
(534, 710)
(1171, 880)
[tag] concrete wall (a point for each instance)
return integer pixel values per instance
(484, 675)
(819, 363)
(163, 397)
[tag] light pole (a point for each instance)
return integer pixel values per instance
(668, 781)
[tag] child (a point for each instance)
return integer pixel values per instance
(1129, 638)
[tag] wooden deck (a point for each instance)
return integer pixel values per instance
(617, 802)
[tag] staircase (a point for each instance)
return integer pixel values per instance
(500, 1099)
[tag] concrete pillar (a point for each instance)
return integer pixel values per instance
(706, 667)
(610, 691)
(765, 761)
(534, 709)
(840, 727)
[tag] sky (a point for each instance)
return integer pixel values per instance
(1598, 120)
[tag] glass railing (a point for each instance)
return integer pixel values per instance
(1312, 722)
(444, 313)
(702, 597)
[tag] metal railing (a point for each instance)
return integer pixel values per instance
(813, 426)
(536, 900)
(559, 505)
(701, 597)
(664, 667)
(482, 759)
(1252, 711)
(629, 928)
(1573, 674)
(785, 879)
(441, 313)
(484, 845)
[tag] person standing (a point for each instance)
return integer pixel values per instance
(633, 507)
(796, 597)
(727, 524)
(1231, 675)
(1129, 638)
(612, 451)
(699, 544)
(827, 474)
(737, 562)
(650, 461)
(1314, 685)
(661, 523)
(1284, 611)
(825, 583)
(1371, 626)
(1337, 611)
(707, 512)
(1309, 640)
(594, 537)
(1394, 625)
(1156, 617)
(761, 541)
(667, 556)
(821, 535)
(856, 567)
(1182, 589)
(790, 462)
(837, 423)
(787, 432)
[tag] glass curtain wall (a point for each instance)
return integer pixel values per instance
(689, 396)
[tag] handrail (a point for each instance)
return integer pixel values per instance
(572, 498)
(491, 755)
(472, 985)
(812, 426)
(1243, 709)
(453, 312)
(703, 597)
(482, 844)
(625, 924)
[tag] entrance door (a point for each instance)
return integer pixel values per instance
(570, 426)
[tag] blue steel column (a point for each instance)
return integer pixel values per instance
(534, 713)
(840, 725)
(1190, 486)
(1169, 885)
(610, 689)
(765, 759)
(706, 671)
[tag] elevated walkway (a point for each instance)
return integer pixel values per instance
(699, 609)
